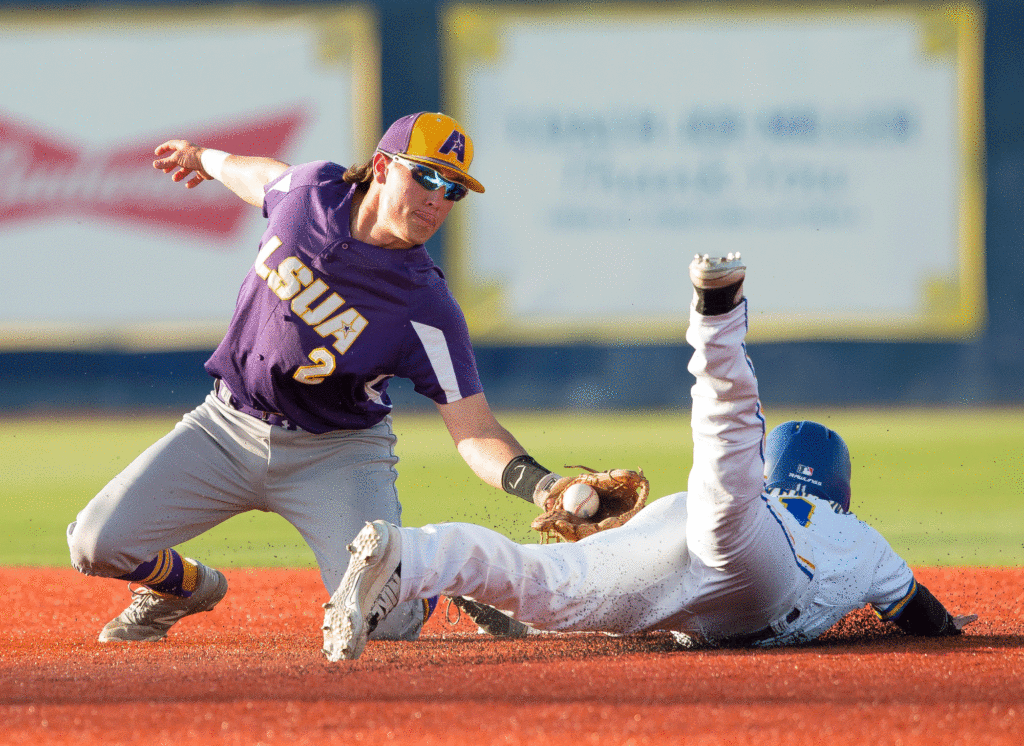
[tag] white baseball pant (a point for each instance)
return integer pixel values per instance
(712, 562)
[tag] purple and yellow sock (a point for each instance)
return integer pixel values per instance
(168, 573)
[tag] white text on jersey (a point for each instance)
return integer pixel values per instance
(294, 281)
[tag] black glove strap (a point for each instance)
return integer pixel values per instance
(521, 476)
(925, 615)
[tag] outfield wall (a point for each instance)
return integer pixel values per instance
(881, 141)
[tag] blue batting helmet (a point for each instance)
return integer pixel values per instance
(806, 457)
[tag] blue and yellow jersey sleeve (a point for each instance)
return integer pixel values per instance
(888, 612)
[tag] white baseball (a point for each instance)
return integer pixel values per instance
(581, 500)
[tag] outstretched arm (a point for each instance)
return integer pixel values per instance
(925, 615)
(244, 175)
(489, 448)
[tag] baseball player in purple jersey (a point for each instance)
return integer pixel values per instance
(739, 559)
(342, 296)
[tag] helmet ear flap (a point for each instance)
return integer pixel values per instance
(808, 458)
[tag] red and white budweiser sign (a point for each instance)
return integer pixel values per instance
(46, 177)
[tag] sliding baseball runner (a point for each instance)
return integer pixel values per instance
(734, 561)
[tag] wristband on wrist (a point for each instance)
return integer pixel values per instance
(521, 476)
(213, 162)
(925, 615)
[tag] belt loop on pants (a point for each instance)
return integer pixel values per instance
(222, 392)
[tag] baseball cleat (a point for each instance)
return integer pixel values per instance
(151, 614)
(716, 272)
(717, 283)
(491, 621)
(368, 591)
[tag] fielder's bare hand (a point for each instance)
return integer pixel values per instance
(184, 156)
(962, 621)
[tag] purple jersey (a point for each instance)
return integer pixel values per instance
(323, 321)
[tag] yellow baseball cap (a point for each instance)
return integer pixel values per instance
(435, 140)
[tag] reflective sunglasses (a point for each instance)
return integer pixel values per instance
(431, 180)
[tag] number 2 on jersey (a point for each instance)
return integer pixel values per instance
(312, 374)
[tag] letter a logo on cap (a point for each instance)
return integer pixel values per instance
(456, 143)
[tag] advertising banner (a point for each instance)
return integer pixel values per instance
(839, 147)
(109, 252)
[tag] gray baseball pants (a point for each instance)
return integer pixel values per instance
(217, 463)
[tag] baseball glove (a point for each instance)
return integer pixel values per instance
(623, 494)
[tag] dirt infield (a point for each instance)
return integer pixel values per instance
(251, 672)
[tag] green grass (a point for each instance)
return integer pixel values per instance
(944, 486)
